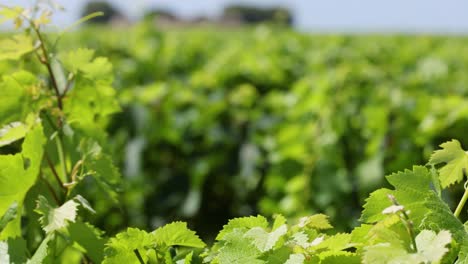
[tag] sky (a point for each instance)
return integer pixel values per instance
(408, 16)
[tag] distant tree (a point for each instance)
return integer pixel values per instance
(252, 15)
(159, 13)
(109, 11)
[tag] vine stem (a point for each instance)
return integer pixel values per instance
(409, 227)
(61, 155)
(54, 171)
(137, 253)
(406, 221)
(464, 198)
(50, 188)
(461, 204)
(46, 61)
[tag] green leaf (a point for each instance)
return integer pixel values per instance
(89, 238)
(120, 249)
(77, 60)
(302, 239)
(80, 199)
(462, 255)
(388, 230)
(18, 94)
(106, 174)
(99, 69)
(386, 253)
(18, 173)
(43, 19)
(263, 240)
(13, 250)
(411, 190)
(242, 223)
(318, 221)
(295, 259)
(101, 167)
(456, 160)
(440, 217)
(12, 132)
(10, 13)
(431, 249)
(237, 249)
(431, 246)
(17, 130)
(330, 257)
(359, 234)
(15, 46)
(9, 215)
(104, 169)
(335, 243)
(279, 221)
(92, 98)
(88, 102)
(187, 259)
(42, 252)
(88, 106)
(426, 210)
(176, 234)
(55, 218)
(375, 204)
(436, 181)
(277, 256)
(89, 147)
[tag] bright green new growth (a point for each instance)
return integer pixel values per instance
(77, 60)
(456, 162)
(176, 234)
(15, 46)
(251, 240)
(242, 223)
(133, 244)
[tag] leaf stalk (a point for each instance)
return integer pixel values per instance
(137, 253)
(463, 200)
(407, 222)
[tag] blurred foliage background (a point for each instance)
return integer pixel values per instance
(223, 123)
(266, 120)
